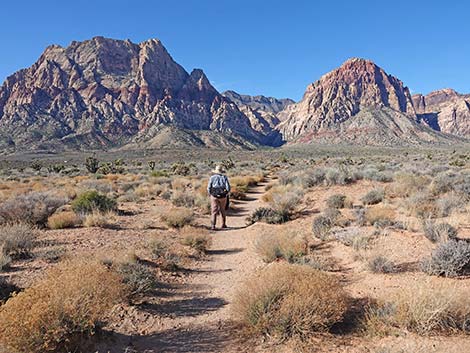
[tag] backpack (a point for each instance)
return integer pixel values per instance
(218, 193)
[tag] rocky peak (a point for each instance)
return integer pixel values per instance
(112, 92)
(358, 89)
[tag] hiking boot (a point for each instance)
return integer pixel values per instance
(224, 226)
(212, 227)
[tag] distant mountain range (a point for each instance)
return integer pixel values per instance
(106, 93)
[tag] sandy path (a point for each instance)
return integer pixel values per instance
(196, 317)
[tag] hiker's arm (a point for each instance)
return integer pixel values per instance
(209, 185)
(227, 184)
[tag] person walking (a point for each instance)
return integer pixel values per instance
(218, 189)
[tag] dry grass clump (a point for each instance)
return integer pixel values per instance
(425, 307)
(338, 201)
(284, 199)
(288, 300)
(380, 215)
(166, 254)
(421, 205)
(139, 279)
(17, 240)
(373, 197)
(177, 217)
(406, 185)
(183, 199)
(196, 239)
(63, 220)
(449, 259)
(321, 227)
(283, 243)
(100, 219)
(33, 208)
(380, 264)
(240, 185)
(55, 313)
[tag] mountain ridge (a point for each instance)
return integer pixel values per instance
(107, 93)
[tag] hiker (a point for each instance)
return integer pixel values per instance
(218, 189)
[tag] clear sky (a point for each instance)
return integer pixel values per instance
(259, 47)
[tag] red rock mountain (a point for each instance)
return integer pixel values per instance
(104, 92)
(445, 110)
(358, 102)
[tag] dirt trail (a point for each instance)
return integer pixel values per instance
(196, 315)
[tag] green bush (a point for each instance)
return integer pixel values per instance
(91, 201)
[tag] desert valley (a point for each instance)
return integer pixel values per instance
(348, 226)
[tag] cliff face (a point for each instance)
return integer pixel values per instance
(262, 111)
(445, 110)
(104, 92)
(358, 102)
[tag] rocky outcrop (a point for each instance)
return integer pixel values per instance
(445, 110)
(358, 102)
(104, 92)
(262, 111)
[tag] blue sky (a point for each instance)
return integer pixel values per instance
(259, 47)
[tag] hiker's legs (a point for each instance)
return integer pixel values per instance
(215, 209)
(223, 211)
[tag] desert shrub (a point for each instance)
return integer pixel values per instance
(312, 178)
(6, 290)
(5, 260)
(92, 201)
(373, 197)
(285, 200)
(337, 176)
(423, 307)
(53, 255)
(63, 220)
(138, 278)
(161, 251)
(183, 199)
(446, 204)
(18, 240)
(407, 184)
(288, 300)
(380, 264)
(442, 183)
(282, 244)
(177, 217)
(33, 208)
(101, 186)
(332, 214)
(449, 259)
(360, 216)
(268, 215)
(56, 312)
(321, 227)
(376, 175)
(421, 205)
(199, 242)
(336, 201)
(203, 203)
(438, 232)
(347, 236)
(380, 216)
(100, 219)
